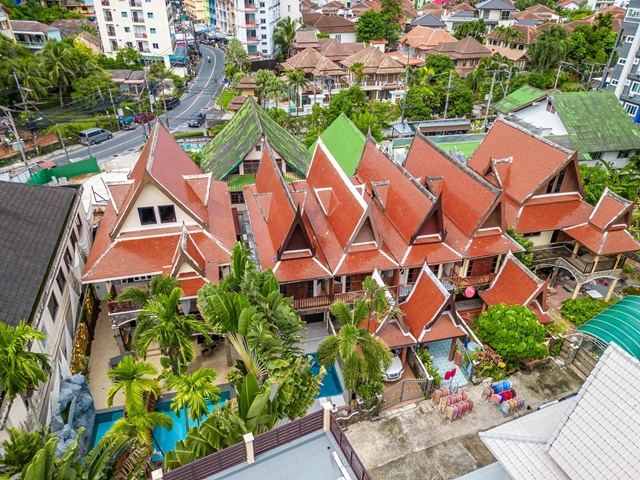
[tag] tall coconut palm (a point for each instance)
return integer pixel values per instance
(31, 76)
(277, 90)
(550, 48)
(357, 71)
(192, 393)
(284, 34)
(140, 425)
(363, 355)
(158, 284)
(162, 324)
(378, 301)
(297, 80)
(59, 62)
(21, 370)
(263, 79)
(133, 378)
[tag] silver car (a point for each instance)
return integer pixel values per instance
(395, 370)
(91, 136)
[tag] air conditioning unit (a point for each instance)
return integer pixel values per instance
(636, 61)
(627, 83)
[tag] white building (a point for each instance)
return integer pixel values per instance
(146, 25)
(5, 25)
(46, 238)
(252, 22)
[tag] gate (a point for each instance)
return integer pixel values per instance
(590, 351)
(404, 391)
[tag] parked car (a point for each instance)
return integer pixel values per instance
(196, 119)
(395, 370)
(91, 136)
(143, 117)
(171, 102)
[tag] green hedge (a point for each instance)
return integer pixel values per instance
(188, 135)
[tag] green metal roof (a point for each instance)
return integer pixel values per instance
(466, 148)
(620, 323)
(345, 142)
(518, 99)
(225, 152)
(596, 122)
(235, 183)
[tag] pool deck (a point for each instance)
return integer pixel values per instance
(104, 347)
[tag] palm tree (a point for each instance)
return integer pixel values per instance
(132, 377)
(550, 48)
(363, 355)
(297, 80)
(158, 284)
(277, 90)
(21, 370)
(377, 300)
(162, 324)
(59, 63)
(508, 34)
(192, 393)
(357, 71)
(140, 425)
(30, 74)
(285, 34)
(20, 448)
(263, 79)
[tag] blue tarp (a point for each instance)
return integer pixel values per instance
(180, 55)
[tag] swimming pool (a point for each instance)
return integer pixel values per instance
(330, 383)
(166, 438)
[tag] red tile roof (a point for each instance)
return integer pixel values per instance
(540, 215)
(444, 328)
(425, 303)
(392, 334)
(610, 210)
(524, 162)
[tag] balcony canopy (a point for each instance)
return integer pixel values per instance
(619, 323)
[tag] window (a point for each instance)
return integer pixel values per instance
(633, 13)
(124, 14)
(265, 51)
(149, 15)
(237, 197)
(410, 276)
(111, 31)
(629, 39)
(532, 234)
(505, 15)
(485, 14)
(147, 216)
(251, 166)
(60, 280)
(625, 153)
(470, 267)
(152, 31)
(614, 82)
(347, 283)
(67, 257)
(597, 155)
(262, 20)
(264, 37)
(127, 29)
(494, 264)
(560, 180)
(635, 87)
(155, 45)
(310, 289)
(167, 213)
(261, 4)
(129, 44)
(631, 109)
(258, 148)
(622, 61)
(338, 37)
(53, 306)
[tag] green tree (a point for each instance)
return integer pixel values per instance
(128, 57)
(476, 29)
(21, 370)
(580, 310)
(364, 356)
(94, 90)
(264, 78)
(420, 103)
(357, 71)
(508, 34)
(526, 257)
(277, 90)
(385, 113)
(513, 332)
(192, 393)
(157, 285)
(368, 123)
(20, 449)
(237, 59)
(347, 101)
(59, 63)
(133, 378)
(393, 19)
(370, 25)
(162, 324)
(439, 64)
(594, 181)
(31, 75)
(421, 77)
(284, 34)
(297, 80)
(550, 48)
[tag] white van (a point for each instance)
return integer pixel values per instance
(91, 136)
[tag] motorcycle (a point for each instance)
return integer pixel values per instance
(208, 59)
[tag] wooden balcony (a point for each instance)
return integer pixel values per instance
(122, 312)
(563, 256)
(455, 281)
(324, 301)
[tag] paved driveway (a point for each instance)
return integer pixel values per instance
(418, 443)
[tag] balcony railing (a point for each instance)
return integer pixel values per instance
(137, 19)
(553, 254)
(105, 3)
(349, 297)
(108, 17)
(140, 35)
(455, 281)
(122, 312)
(252, 40)
(135, 3)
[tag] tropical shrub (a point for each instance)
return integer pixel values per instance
(490, 364)
(513, 332)
(427, 361)
(525, 257)
(580, 310)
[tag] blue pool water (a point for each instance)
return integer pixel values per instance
(166, 438)
(330, 383)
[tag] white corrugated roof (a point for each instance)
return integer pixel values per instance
(594, 435)
(493, 471)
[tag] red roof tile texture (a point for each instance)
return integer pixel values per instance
(425, 303)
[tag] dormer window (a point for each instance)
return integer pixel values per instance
(167, 213)
(147, 216)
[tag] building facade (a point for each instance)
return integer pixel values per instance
(250, 21)
(5, 24)
(195, 9)
(145, 25)
(34, 35)
(46, 238)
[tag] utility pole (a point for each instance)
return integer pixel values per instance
(15, 132)
(19, 87)
(62, 142)
(486, 116)
(555, 85)
(446, 104)
(406, 84)
(164, 103)
(115, 112)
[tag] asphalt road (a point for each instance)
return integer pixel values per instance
(200, 95)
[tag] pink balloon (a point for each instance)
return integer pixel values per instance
(469, 292)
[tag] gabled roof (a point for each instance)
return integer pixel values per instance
(306, 39)
(314, 63)
(527, 15)
(345, 142)
(512, 54)
(428, 310)
(424, 37)
(524, 161)
(375, 62)
(225, 152)
(541, 9)
(329, 23)
(31, 26)
(462, 7)
(495, 5)
(605, 232)
(523, 97)
(588, 436)
(32, 222)
(595, 121)
(468, 47)
(247, 83)
(515, 284)
(428, 20)
(335, 50)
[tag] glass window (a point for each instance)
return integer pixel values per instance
(124, 14)
(155, 45)
(149, 15)
(631, 109)
(251, 166)
(633, 13)
(635, 87)
(261, 4)
(147, 216)
(237, 197)
(152, 30)
(53, 306)
(127, 29)
(60, 280)
(167, 213)
(262, 20)
(622, 61)
(614, 82)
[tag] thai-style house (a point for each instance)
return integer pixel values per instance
(383, 74)
(465, 53)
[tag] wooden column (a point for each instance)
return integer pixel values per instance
(575, 250)
(452, 350)
(403, 356)
(575, 292)
(618, 257)
(611, 287)
(595, 263)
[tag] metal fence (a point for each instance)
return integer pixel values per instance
(348, 451)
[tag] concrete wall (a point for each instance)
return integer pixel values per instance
(538, 115)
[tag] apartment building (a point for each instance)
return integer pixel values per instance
(623, 76)
(209, 11)
(46, 237)
(195, 9)
(252, 22)
(5, 24)
(146, 25)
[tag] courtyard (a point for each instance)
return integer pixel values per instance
(415, 441)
